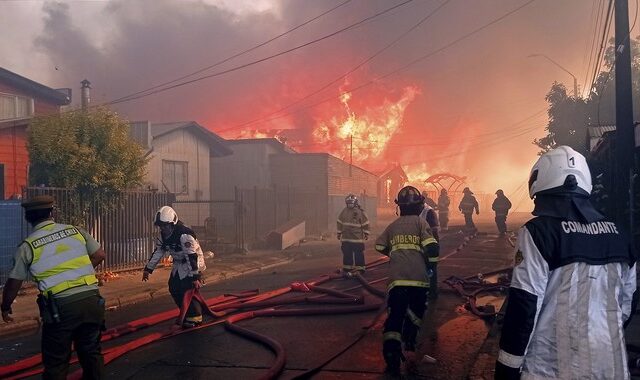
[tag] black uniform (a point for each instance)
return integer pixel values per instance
(501, 205)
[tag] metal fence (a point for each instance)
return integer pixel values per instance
(123, 226)
(12, 231)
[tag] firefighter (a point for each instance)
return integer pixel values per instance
(501, 206)
(181, 243)
(353, 230)
(61, 259)
(413, 252)
(573, 282)
(443, 209)
(467, 205)
(429, 214)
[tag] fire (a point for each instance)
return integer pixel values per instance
(366, 136)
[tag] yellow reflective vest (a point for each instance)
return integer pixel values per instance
(60, 258)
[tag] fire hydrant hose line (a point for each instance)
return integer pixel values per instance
(219, 306)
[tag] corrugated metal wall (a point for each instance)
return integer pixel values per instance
(12, 230)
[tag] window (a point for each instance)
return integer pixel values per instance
(174, 177)
(14, 107)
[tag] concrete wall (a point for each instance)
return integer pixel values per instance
(246, 168)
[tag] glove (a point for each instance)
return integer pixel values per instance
(339, 235)
(197, 284)
(145, 275)
(366, 236)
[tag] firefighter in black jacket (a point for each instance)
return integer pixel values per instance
(413, 251)
(501, 206)
(573, 282)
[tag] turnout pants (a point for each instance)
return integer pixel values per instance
(468, 220)
(353, 256)
(81, 322)
(405, 307)
(501, 222)
(443, 217)
(177, 288)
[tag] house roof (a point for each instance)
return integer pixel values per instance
(218, 144)
(59, 97)
(599, 130)
(275, 143)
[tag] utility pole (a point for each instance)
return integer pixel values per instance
(625, 138)
(575, 80)
(351, 157)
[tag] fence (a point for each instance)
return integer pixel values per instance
(12, 231)
(124, 226)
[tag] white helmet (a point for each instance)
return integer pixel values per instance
(166, 215)
(552, 169)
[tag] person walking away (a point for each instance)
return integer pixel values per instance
(573, 282)
(467, 205)
(353, 230)
(501, 206)
(181, 243)
(411, 249)
(443, 209)
(61, 259)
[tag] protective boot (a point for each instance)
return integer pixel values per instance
(392, 352)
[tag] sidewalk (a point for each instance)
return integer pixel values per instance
(128, 288)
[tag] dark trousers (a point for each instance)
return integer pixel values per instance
(501, 222)
(443, 217)
(81, 322)
(405, 307)
(177, 288)
(468, 220)
(352, 256)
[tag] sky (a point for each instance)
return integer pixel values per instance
(471, 106)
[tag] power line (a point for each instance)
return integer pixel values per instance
(237, 54)
(264, 59)
(396, 71)
(593, 41)
(343, 76)
(605, 33)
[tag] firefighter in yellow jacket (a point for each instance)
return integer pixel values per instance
(413, 253)
(353, 230)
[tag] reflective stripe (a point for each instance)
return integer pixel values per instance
(414, 318)
(197, 319)
(392, 335)
(433, 259)
(352, 224)
(348, 267)
(428, 241)
(509, 360)
(419, 284)
(84, 280)
(66, 276)
(380, 247)
(365, 223)
(352, 240)
(42, 266)
(359, 267)
(69, 265)
(397, 247)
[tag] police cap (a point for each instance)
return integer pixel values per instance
(39, 202)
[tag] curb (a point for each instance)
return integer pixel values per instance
(33, 322)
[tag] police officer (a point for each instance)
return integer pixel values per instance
(443, 209)
(412, 250)
(181, 243)
(353, 230)
(61, 259)
(467, 205)
(573, 282)
(501, 206)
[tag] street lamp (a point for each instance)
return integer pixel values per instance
(575, 80)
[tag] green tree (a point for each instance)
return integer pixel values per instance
(90, 152)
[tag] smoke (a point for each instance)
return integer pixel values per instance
(483, 85)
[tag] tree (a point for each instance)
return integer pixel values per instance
(90, 152)
(569, 117)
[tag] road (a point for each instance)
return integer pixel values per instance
(450, 334)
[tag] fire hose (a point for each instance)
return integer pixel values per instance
(478, 286)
